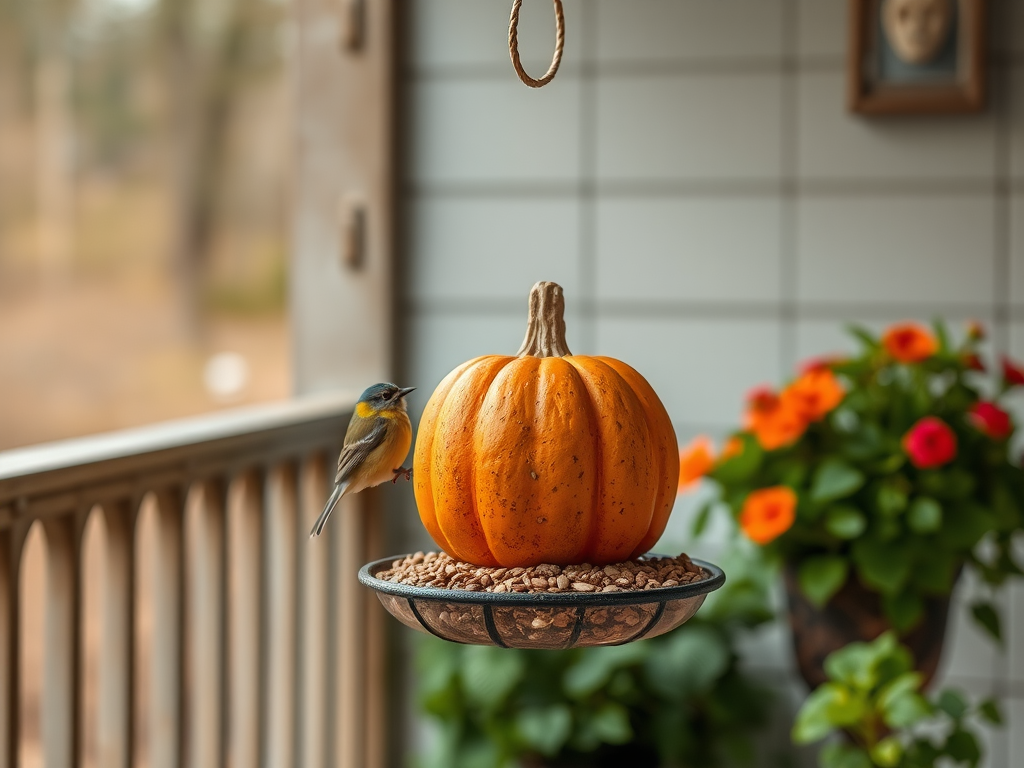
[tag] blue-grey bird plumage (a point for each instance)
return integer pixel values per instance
(377, 441)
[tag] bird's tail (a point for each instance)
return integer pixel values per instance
(332, 502)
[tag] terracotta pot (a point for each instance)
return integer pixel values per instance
(855, 614)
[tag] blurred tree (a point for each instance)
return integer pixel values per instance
(211, 50)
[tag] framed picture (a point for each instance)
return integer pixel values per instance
(918, 57)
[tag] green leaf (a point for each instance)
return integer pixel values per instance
(865, 336)
(545, 729)
(964, 525)
(987, 616)
(884, 566)
(738, 469)
(989, 709)
(595, 666)
(829, 707)
(821, 577)
(908, 682)
(887, 753)
(700, 522)
(942, 335)
(835, 479)
(905, 709)
(891, 499)
(934, 574)
(962, 746)
(490, 674)
(925, 515)
(840, 755)
(952, 703)
(688, 661)
(611, 724)
(904, 609)
(845, 522)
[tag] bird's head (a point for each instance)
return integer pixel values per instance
(381, 399)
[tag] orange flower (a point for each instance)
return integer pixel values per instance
(823, 361)
(695, 460)
(733, 447)
(774, 421)
(814, 394)
(909, 342)
(768, 513)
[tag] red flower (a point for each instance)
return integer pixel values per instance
(818, 363)
(975, 331)
(973, 362)
(990, 419)
(909, 342)
(1013, 374)
(930, 443)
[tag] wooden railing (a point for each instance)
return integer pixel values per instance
(261, 650)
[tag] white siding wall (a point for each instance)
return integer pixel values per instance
(693, 180)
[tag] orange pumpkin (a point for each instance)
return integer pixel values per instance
(545, 457)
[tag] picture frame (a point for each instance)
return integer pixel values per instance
(916, 57)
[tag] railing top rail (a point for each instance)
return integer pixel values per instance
(222, 439)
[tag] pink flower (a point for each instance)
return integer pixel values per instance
(991, 420)
(930, 443)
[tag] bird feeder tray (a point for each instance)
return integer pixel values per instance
(543, 620)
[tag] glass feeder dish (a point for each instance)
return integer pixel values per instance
(541, 620)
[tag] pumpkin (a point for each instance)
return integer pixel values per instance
(545, 457)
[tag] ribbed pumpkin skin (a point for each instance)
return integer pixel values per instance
(526, 460)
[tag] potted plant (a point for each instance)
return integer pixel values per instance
(873, 701)
(875, 479)
(680, 699)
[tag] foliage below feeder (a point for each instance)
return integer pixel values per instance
(545, 457)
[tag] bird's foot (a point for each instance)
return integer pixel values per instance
(402, 472)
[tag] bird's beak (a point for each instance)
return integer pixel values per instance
(403, 392)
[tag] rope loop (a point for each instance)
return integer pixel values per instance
(513, 45)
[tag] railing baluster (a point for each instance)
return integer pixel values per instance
(12, 542)
(313, 611)
(164, 728)
(348, 539)
(117, 654)
(244, 579)
(374, 707)
(280, 618)
(62, 643)
(205, 626)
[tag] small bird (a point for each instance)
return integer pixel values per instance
(378, 438)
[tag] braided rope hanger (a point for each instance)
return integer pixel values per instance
(513, 45)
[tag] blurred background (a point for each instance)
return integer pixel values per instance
(143, 211)
(692, 178)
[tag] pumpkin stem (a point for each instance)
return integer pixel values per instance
(545, 329)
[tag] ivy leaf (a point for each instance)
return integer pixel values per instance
(904, 610)
(844, 756)
(611, 724)
(490, 674)
(986, 615)
(963, 747)
(952, 703)
(905, 709)
(989, 709)
(925, 515)
(882, 565)
(545, 729)
(845, 522)
(888, 752)
(835, 479)
(829, 707)
(821, 577)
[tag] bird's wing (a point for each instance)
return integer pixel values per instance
(353, 454)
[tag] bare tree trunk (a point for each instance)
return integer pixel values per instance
(202, 93)
(55, 182)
